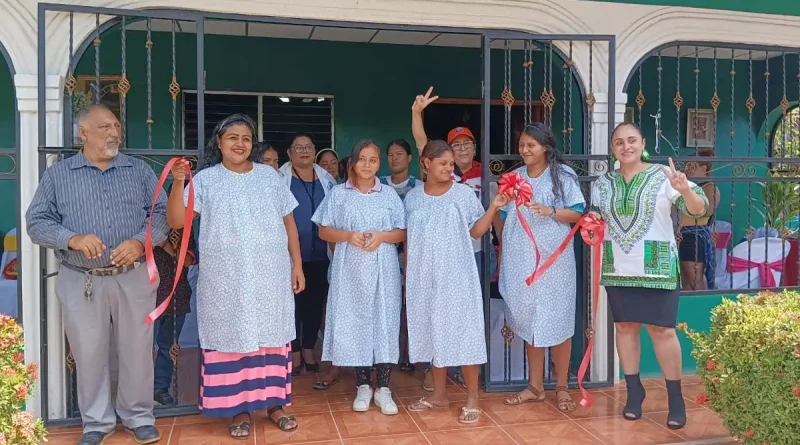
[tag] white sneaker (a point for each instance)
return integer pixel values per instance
(384, 401)
(363, 397)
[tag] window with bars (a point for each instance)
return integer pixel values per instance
(279, 117)
(785, 141)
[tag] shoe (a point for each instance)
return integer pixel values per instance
(363, 399)
(145, 434)
(94, 438)
(162, 397)
(384, 401)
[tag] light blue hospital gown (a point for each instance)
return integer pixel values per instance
(244, 289)
(362, 324)
(542, 314)
(444, 303)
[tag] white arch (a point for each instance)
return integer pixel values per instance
(665, 25)
(541, 17)
(18, 36)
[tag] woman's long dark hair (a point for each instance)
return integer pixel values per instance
(542, 134)
(355, 152)
(214, 154)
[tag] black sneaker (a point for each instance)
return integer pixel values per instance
(162, 397)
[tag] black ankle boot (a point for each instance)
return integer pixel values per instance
(636, 394)
(676, 419)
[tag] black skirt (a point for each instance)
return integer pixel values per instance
(657, 307)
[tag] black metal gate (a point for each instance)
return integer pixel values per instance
(138, 137)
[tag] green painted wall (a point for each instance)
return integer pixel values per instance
(694, 310)
(8, 140)
(783, 7)
(748, 140)
(373, 84)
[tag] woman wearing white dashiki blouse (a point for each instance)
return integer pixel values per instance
(444, 302)
(640, 261)
(362, 327)
(543, 314)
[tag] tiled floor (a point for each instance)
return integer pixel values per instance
(326, 418)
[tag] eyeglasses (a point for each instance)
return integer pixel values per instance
(464, 146)
(303, 148)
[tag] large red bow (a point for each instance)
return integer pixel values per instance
(148, 243)
(514, 186)
(593, 230)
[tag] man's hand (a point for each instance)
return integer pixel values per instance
(91, 245)
(127, 252)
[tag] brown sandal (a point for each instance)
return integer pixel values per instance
(566, 404)
(518, 399)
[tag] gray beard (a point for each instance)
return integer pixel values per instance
(111, 152)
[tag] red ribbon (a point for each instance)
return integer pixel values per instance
(764, 269)
(593, 232)
(514, 186)
(152, 270)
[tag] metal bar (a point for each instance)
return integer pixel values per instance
(725, 45)
(174, 14)
(42, 117)
(128, 151)
(486, 108)
(201, 87)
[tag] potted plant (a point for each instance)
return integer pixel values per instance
(749, 363)
(17, 427)
(781, 205)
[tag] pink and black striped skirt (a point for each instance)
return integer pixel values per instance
(234, 383)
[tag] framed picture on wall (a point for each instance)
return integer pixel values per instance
(84, 96)
(699, 130)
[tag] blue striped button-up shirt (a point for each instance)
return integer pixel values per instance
(76, 198)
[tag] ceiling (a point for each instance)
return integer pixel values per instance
(394, 37)
(359, 35)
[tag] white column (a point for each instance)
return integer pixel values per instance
(27, 98)
(600, 135)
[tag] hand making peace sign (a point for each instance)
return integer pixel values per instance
(421, 102)
(676, 178)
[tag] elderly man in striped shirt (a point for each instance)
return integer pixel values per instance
(92, 209)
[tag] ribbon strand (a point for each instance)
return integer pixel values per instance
(152, 270)
(520, 191)
(593, 232)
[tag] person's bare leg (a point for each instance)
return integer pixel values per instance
(629, 350)
(535, 389)
(692, 277)
(470, 375)
(668, 353)
(561, 356)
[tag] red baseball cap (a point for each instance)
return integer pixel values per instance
(459, 131)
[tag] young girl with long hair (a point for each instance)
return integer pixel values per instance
(444, 301)
(365, 219)
(543, 314)
(245, 311)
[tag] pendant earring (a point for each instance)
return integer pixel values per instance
(645, 156)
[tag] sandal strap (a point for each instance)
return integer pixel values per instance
(424, 402)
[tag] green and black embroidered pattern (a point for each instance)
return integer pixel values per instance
(658, 259)
(608, 257)
(664, 283)
(629, 208)
(681, 203)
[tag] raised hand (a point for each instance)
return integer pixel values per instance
(676, 178)
(180, 169)
(422, 101)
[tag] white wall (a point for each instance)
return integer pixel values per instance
(638, 30)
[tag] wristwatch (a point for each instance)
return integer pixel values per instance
(553, 215)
